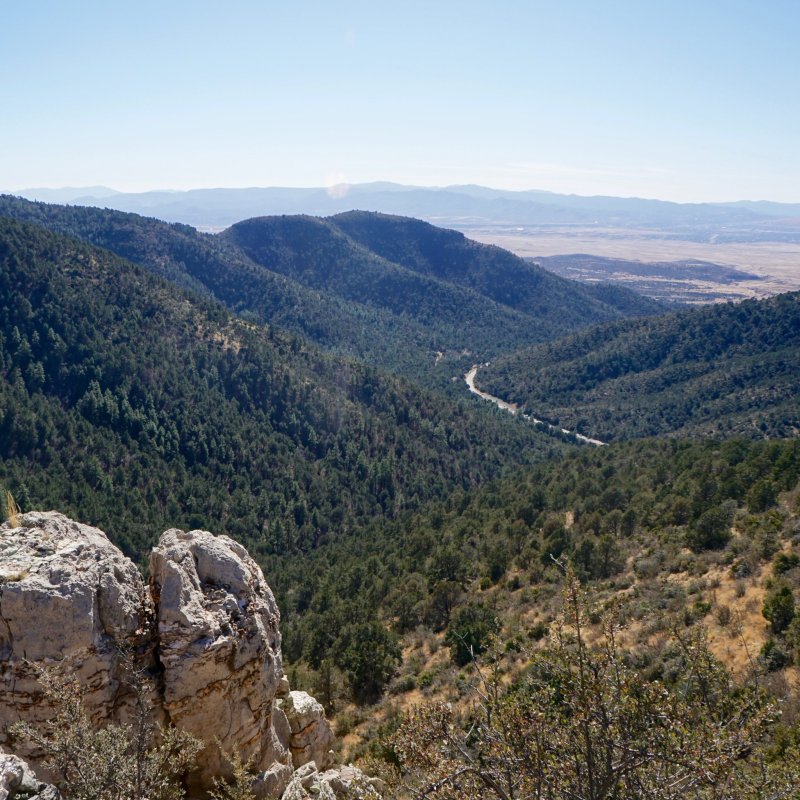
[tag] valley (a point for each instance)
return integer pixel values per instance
(307, 386)
(688, 373)
(776, 263)
(400, 401)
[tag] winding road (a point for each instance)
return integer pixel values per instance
(513, 408)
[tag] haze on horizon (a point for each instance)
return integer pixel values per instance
(691, 102)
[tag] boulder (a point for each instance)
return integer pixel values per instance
(66, 593)
(17, 780)
(272, 783)
(311, 735)
(219, 645)
(333, 784)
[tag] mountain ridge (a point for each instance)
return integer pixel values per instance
(221, 207)
(343, 296)
(165, 408)
(712, 370)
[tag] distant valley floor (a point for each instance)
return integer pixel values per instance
(777, 264)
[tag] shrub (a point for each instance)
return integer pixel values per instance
(586, 725)
(538, 630)
(724, 615)
(779, 608)
(138, 761)
(773, 656)
(470, 631)
(406, 683)
(784, 562)
(425, 679)
(239, 787)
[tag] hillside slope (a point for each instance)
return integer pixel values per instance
(315, 253)
(139, 406)
(719, 370)
(667, 537)
(493, 272)
(208, 265)
(309, 276)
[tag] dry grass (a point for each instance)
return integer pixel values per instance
(738, 643)
(12, 511)
(683, 589)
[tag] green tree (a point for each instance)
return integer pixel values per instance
(712, 530)
(762, 495)
(448, 564)
(779, 608)
(628, 523)
(369, 656)
(470, 631)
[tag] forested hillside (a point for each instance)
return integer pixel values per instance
(210, 266)
(135, 406)
(315, 253)
(634, 505)
(721, 370)
(404, 533)
(309, 276)
(690, 539)
(493, 272)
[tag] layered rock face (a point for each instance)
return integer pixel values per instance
(207, 625)
(65, 593)
(219, 646)
(311, 737)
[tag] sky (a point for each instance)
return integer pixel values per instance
(685, 101)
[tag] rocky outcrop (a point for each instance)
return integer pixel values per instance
(207, 626)
(18, 781)
(219, 645)
(311, 737)
(332, 784)
(66, 593)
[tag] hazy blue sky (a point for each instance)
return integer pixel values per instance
(678, 100)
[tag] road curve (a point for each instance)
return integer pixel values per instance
(513, 408)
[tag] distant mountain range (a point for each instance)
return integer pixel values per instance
(458, 206)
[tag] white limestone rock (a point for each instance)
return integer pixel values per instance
(271, 784)
(333, 784)
(66, 592)
(18, 780)
(208, 621)
(311, 735)
(219, 645)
